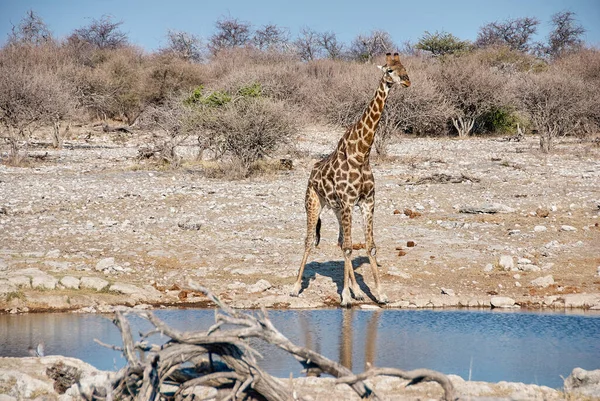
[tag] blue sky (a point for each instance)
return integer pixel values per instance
(147, 21)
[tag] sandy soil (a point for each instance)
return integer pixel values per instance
(93, 200)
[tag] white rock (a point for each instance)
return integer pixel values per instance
(105, 263)
(488, 268)
(502, 302)
(583, 382)
(70, 282)
(23, 386)
(44, 282)
(506, 262)
(539, 229)
(529, 268)
(567, 228)
(124, 288)
(543, 282)
(20, 281)
(6, 288)
(581, 300)
(524, 261)
(94, 283)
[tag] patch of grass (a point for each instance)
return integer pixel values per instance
(15, 295)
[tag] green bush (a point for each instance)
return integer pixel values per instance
(252, 90)
(497, 121)
(215, 99)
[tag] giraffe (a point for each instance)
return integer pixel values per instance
(343, 180)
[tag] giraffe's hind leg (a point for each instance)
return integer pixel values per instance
(313, 210)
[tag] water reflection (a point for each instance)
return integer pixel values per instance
(529, 347)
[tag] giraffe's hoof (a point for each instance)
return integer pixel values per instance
(346, 298)
(295, 291)
(359, 295)
(382, 299)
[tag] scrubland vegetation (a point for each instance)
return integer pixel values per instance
(245, 91)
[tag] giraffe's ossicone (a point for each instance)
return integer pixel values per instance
(344, 179)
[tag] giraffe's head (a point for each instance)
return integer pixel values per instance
(395, 73)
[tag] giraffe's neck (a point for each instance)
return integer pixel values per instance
(359, 139)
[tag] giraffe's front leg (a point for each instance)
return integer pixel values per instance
(367, 208)
(345, 220)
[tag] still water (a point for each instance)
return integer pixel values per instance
(490, 346)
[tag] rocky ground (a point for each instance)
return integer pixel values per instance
(474, 222)
(35, 378)
(459, 223)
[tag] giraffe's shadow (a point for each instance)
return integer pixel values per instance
(335, 270)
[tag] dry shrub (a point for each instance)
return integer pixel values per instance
(113, 86)
(171, 125)
(338, 92)
(33, 93)
(509, 61)
(166, 75)
(248, 129)
(584, 64)
(472, 88)
(558, 104)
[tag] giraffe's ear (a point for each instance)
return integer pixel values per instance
(382, 68)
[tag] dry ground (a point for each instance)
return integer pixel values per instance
(95, 200)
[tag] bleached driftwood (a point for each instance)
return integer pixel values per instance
(188, 360)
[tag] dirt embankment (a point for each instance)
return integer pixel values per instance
(476, 222)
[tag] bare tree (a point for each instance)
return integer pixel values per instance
(169, 123)
(367, 47)
(307, 44)
(472, 88)
(271, 37)
(30, 98)
(558, 103)
(103, 33)
(330, 45)
(31, 30)
(184, 45)
(515, 33)
(566, 35)
(230, 33)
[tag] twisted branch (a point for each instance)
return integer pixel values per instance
(185, 361)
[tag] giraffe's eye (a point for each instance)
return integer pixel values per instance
(389, 71)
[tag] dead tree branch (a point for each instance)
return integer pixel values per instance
(187, 361)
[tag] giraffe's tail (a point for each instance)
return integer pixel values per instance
(318, 232)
